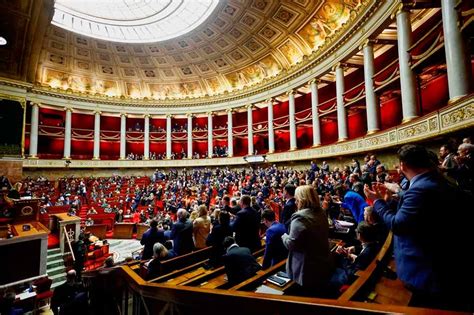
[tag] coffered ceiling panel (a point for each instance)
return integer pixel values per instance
(242, 44)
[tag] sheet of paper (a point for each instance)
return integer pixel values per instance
(266, 289)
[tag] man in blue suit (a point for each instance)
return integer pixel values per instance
(275, 251)
(430, 251)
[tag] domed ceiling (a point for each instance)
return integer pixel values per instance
(241, 45)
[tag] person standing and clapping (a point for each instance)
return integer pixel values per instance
(429, 251)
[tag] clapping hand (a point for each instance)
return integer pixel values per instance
(375, 193)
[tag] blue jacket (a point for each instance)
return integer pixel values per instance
(275, 251)
(356, 204)
(428, 245)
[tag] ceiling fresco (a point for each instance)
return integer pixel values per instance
(241, 45)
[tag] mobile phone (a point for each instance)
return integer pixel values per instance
(277, 280)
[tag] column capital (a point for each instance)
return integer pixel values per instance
(249, 106)
(97, 112)
(35, 104)
(209, 114)
(269, 100)
(338, 65)
(367, 42)
(147, 116)
(67, 108)
(290, 92)
(188, 115)
(169, 116)
(314, 80)
(123, 114)
(401, 7)
(229, 110)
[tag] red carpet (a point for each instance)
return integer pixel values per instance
(53, 241)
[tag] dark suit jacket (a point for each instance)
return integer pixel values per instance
(288, 210)
(70, 297)
(239, 264)
(149, 238)
(182, 236)
(246, 227)
(215, 239)
(428, 250)
(275, 251)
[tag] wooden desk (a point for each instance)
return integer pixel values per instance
(98, 230)
(18, 230)
(72, 225)
(123, 230)
(141, 228)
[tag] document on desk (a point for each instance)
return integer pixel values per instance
(266, 289)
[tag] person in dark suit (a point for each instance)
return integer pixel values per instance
(290, 206)
(246, 225)
(150, 237)
(182, 234)
(429, 252)
(275, 251)
(239, 262)
(351, 262)
(70, 297)
(216, 238)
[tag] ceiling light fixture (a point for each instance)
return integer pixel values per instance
(3, 41)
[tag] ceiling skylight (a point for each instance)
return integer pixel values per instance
(132, 21)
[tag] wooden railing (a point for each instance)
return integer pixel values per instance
(185, 297)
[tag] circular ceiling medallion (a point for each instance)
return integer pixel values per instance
(132, 21)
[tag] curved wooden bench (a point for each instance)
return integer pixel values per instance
(365, 277)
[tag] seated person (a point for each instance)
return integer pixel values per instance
(160, 253)
(70, 297)
(7, 305)
(239, 262)
(14, 193)
(91, 211)
(89, 221)
(350, 262)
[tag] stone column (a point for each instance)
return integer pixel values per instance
(67, 134)
(313, 84)
(123, 135)
(230, 139)
(291, 119)
(454, 46)
(146, 138)
(168, 136)
(34, 131)
(250, 129)
(341, 110)
(210, 145)
(371, 100)
(96, 155)
(271, 132)
(407, 78)
(190, 136)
